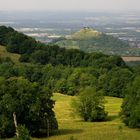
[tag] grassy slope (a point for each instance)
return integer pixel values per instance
(74, 126)
(86, 33)
(14, 57)
(4, 54)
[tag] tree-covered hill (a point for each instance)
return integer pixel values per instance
(90, 40)
(36, 52)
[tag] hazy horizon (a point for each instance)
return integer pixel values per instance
(73, 5)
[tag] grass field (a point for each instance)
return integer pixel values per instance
(72, 126)
(4, 54)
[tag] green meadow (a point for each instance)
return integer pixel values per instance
(71, 127)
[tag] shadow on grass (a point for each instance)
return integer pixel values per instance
(111, 118)
(68, 131)
(59, 132)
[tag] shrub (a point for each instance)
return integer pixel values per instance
(90, 105)
(23, 133)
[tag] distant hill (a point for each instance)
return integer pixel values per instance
(86, 33)
(90, 40)
(36, 52)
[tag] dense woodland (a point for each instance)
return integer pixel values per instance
(26, 87)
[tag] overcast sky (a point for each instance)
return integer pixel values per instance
(70, 5)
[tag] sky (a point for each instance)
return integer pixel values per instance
(69, 5)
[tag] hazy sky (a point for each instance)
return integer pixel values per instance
(69, 5)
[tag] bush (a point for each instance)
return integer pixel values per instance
(90, 105)
(24, 58)
(23, 133)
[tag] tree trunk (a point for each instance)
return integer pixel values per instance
(15, 123)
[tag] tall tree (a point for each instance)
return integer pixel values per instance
(131, 106)
(90, 105)
(32, 105)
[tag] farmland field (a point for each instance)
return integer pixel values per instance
(128, 59)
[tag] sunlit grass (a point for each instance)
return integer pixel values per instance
(69, 126)
(4, 54)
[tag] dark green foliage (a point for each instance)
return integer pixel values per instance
(56, 56)
(16, 42)
(61, 86)
(115, 81)
(131, 106)
(40, 57)
(23, 133)
(69, 80)
(20, 43)
(5, 67)
(32, 105)
(90, 105)
(24, 58)
(4, 33)
(133, 63)
(137, 70)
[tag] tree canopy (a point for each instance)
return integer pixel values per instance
(131, 106)
(90, 105)
(31, 104)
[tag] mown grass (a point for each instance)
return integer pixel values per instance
(73, 126)
(4, 54)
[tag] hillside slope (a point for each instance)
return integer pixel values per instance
(90, 40)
